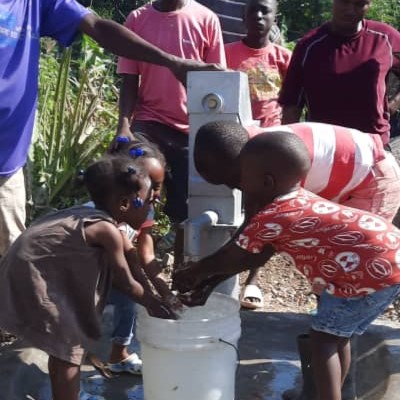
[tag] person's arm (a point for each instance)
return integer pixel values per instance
(127, 102)
(229, 260)
(108, 236)
(152, 268)
(215, 53)
(122, 42)
(290, 114)
(291, 96)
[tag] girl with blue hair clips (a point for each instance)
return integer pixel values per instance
(148, 156)
(55, 278)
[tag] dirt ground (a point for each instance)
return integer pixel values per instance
(285, 289)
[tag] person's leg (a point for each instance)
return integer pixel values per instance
(64, 378)
(326, 365)
(344, 351)
(123, 325)
(336, 321)
(12, 209)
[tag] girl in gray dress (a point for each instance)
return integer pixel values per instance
(55, 278)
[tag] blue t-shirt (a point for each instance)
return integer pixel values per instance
(22, 23)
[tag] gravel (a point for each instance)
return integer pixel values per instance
(286, 289)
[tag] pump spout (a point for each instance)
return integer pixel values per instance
(194, 230)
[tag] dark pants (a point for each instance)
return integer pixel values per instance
(174, 145)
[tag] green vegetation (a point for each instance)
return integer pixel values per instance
(77, 115)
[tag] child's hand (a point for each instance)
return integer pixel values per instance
(198, 296)
(173, 302)
(185, 279)
(158, 308)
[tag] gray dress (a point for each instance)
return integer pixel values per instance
(53, 286)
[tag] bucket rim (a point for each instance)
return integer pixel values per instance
(204, 320)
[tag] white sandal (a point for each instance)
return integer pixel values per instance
(251, 292)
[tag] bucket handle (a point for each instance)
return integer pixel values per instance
(237, 355)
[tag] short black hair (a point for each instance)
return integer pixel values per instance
(113, 176)
(280, 151)
(219, 140)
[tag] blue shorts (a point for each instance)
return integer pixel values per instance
(345, 317)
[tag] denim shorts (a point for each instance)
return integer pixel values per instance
(345, 317)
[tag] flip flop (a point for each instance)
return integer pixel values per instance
(99, 365)
(252, 292)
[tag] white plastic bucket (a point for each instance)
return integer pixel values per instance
(193, 358)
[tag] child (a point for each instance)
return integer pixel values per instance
(264, 62)
(351, 255)
(55, 278)
(348, 166)
(148, 156)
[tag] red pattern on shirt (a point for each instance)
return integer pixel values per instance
(350, 252)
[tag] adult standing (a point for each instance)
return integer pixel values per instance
(152, 100)
(22, 24)
(338, 71)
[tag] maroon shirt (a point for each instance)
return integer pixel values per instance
(341, 80)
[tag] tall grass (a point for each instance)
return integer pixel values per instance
(77, 116)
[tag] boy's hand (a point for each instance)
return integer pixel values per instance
(158, 308)
(198, 296)
(186, 278)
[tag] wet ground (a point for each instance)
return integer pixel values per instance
(269, 363)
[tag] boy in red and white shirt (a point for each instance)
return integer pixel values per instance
(347, 166)
(352, 255)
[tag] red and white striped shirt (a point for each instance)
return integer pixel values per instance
(341, 158)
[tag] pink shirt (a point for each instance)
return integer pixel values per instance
(192, 32)
(349, 252)
(265, 68)
(342, 159)
(342, 80)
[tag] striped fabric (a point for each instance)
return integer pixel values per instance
(341, 158)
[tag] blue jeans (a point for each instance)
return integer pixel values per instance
(124, 318)
(345, 317)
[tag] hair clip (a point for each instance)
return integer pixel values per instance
(123, 139)
(131, 170)
(137, 202)
(136, 152)
(81, 174)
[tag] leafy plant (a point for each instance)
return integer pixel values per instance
(77, 116)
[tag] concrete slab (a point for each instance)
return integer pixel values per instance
(269, 363)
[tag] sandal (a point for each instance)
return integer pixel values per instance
(252, 297)
(131, 365)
